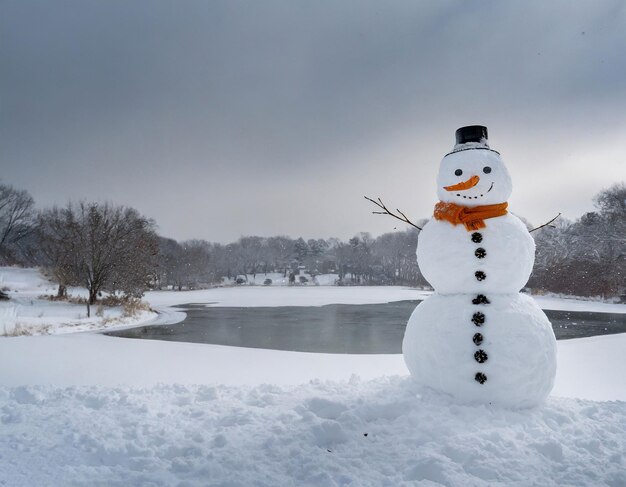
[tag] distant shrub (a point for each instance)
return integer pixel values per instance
(52, 297)
(75, 300)
(240, 280)
(16, 331)
(114, 300)
(303, 280)
(267, 282)
(133, 306)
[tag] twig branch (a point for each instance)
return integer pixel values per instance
(386, 211)
(548, 224)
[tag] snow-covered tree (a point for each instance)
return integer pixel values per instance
(586, 257)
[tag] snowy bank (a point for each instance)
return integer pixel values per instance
(26, 314)
(376, 433)
(254, 296)
(588, 368)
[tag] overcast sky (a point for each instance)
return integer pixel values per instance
(222, 119)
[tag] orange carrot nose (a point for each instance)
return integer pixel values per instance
(470, 183)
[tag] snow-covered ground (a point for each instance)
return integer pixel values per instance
(279, 279)
(84, 409)
(26, 314)
(382, 432)
(588, 368)
(253, 296)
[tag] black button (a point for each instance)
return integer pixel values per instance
(480, 275)
(478, 318)
(477, 237)
(480, 356)
(480, 299)
(480, 253)
(480, 377)
(478, 339)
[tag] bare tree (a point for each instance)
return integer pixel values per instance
(193, 268)
(55, 228)
(16, 216)
(100, 246)
(280, 253)
(251, 252)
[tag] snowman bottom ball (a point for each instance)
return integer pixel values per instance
(500, 352)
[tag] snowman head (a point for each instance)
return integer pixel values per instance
(473, 174)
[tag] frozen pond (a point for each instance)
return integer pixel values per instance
(334, 328)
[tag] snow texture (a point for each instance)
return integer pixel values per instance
(588, 368)
(516, 336)
(477, 339)
(385, 432)
(268, 296)
(447, 257)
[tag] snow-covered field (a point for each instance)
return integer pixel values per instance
(83, 409)
(26, 314)
(382, 432)
(279, 279)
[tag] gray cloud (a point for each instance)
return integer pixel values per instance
(228, 118)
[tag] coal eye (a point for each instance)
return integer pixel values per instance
(458, 172)
(486, 169)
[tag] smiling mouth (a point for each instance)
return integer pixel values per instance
(476, 197)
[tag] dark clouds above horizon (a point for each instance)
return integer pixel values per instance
(221, 119)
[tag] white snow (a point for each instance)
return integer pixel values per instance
(253, 296)
(250, 296)
(383, 432)
(578, 304)
(588, 368)
(279, 279)
(84, 409)
(26, 314)
(18, 279)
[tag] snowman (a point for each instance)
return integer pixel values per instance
(477, 338)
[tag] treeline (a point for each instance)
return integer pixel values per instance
(388, 259)
(114, 249)
(586, 257)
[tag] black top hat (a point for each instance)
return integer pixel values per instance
(471, 133)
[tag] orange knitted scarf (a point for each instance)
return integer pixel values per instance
(472, 218)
